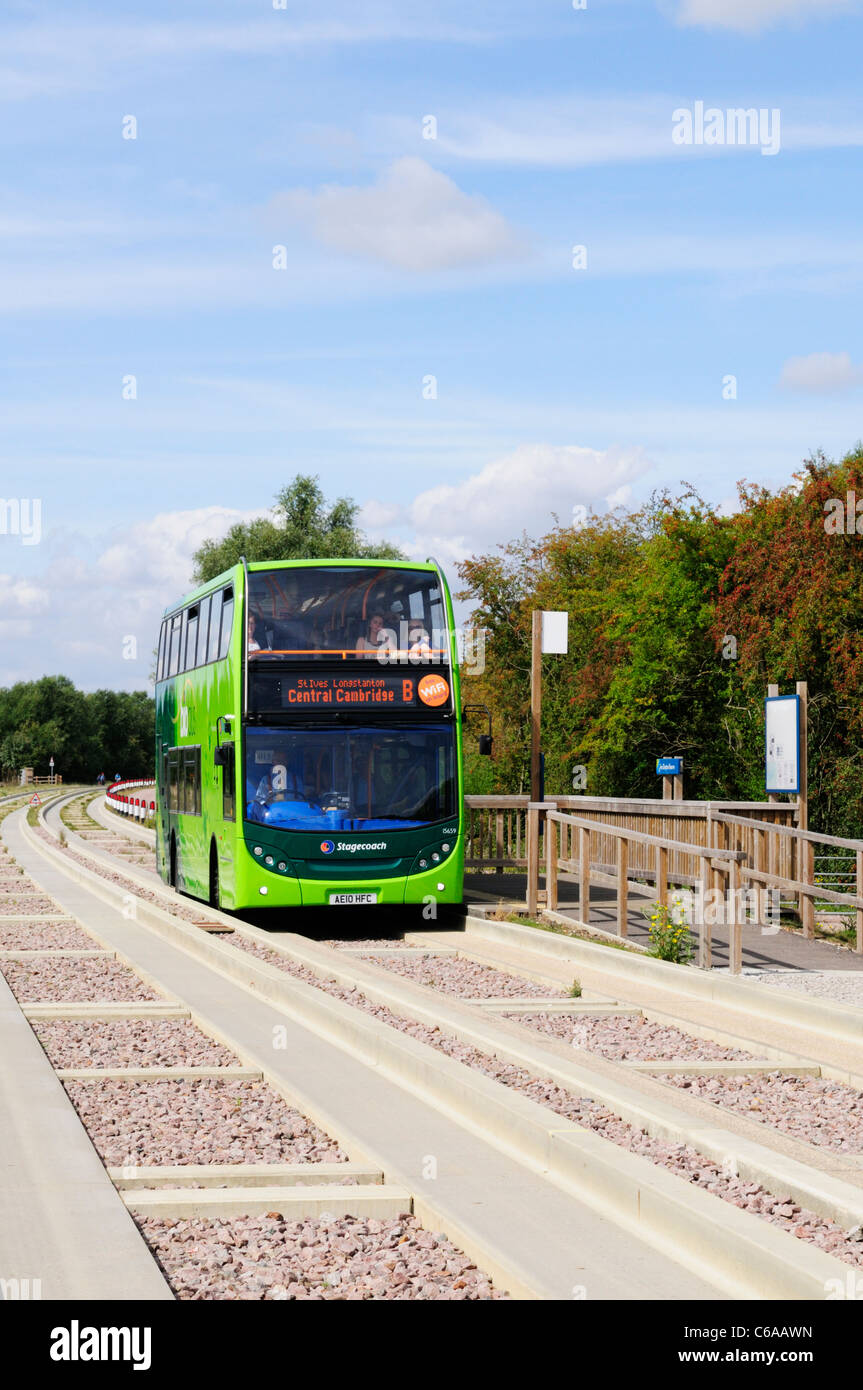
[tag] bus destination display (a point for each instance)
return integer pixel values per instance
(373, 691)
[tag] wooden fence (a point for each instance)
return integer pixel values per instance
(722, 848)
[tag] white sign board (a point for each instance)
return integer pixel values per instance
(782, 743)
(555, 633)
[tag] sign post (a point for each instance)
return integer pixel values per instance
(786, 770)
(549, 633)
(51, 765)
(671, 772)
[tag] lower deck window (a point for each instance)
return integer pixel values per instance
(350, 779)
(183, 781)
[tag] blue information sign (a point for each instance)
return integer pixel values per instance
(669, 767)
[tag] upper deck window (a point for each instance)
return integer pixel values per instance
(307, 613)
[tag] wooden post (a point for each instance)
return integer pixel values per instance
(661, 876)
(772, 692)
(705, 936)
(735, 934)
(532, 858)
(622, 886)
(758, 865)
(584, 875)
(860, 895)
(800, 859)
(717, 877)
(667, 789)
(807, 903)
(803, 794)
(551, 863)
(678, 787)
(535, 700)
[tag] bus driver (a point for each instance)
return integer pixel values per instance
(279, 784)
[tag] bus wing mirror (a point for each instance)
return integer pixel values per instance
(485, 740)
(222, 755)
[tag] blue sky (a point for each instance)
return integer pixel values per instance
(406, 258)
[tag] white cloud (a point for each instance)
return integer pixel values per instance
(91, 596)
(821, 372)
(414, 217)
(182, 38)
(21, 595)
(521, 492)
(751, 16)
(562, 131)
(156, 555)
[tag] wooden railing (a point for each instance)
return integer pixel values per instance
(497, 828)
(783, 857)
(715, 848)
(496, 832)
(712, 865)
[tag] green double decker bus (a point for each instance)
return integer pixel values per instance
(309, 737)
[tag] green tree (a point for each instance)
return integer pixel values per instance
(679, 619)
(84, 733)
(792, 595)
(303, 526)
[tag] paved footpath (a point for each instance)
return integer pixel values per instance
(762, 949)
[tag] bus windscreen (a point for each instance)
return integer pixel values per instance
(349, 778)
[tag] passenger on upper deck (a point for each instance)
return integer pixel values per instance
(418, 640)
(253, 645)
(380, 638)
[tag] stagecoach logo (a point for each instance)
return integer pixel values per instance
(433, 690)
(327, 846)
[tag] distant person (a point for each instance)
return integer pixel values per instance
(100, 780)
(117, 777)
(253, 645)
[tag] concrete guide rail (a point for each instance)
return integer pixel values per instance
(575, 1158)
(532, 1237)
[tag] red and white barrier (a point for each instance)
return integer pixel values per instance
(118, 797)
